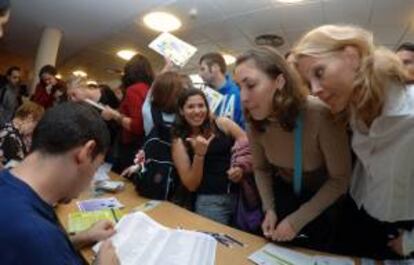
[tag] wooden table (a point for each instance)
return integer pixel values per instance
(174, 216)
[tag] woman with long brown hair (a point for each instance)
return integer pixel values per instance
(298, 188)
(137, 79)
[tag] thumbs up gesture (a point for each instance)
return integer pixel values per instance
(200, 144)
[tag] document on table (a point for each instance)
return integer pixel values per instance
(366, 261)
(141, 240)
(80, 221)
(399, 262)
(271, 254)
(99, 204)
(168, 45)
(102, 172)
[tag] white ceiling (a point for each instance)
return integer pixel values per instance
(95, 29)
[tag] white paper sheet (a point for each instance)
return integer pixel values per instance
(366, 261)
(399, 262)
(324, 260)
(102, 172)
(214, 97)
(168, 45)
(141, 240)
(271, 254)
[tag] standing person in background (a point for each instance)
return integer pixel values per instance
(137, 79)
(163, 96)
(406, 53)
(350, 74)
(201, 151)
(275, 104)
(13, 135)
(79, 90)
(4, 14)
(50, 90)
(212, 69)
(9, 94)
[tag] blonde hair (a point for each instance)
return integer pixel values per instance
(75, 82)
(29, 108)
(379, 67)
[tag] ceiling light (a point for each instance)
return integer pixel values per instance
(289, 1)
(161, 21)
(92, 82)
(58, 76)
(126, 54)
(229, 59)
(79, 73)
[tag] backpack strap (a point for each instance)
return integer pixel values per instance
(159, 125)
(297, 178)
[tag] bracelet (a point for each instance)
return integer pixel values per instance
(195, 154)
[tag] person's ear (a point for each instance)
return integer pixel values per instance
(280, 82)
(352, 56)
(85, 152)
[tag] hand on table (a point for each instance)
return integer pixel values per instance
(284, 231)
(107, 254)
(269, 223)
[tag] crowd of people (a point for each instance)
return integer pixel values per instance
(318, 143)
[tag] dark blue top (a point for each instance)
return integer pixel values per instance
(230, 106)
(29, 230)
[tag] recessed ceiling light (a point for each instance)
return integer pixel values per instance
(290, 1)
(229, 59)
(126, 54)
(79, 73)
(92, 82)
(162, 21)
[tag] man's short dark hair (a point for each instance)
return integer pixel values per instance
(4, 7)
(70, 125)
(12, 69)
(214, 58)
(406, 46)
(47, 69)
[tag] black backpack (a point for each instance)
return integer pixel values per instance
(157, 179)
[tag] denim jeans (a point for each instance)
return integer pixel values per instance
(219, 208)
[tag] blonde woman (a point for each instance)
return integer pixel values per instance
(274, 103)
(345, 69)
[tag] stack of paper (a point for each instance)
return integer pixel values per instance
(102, 172)
(141, 240)
(80, 221)
(271, 254)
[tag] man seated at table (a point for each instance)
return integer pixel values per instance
(69, 144)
